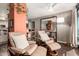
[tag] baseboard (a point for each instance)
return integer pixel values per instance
(61, 42)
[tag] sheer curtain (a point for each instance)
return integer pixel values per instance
(74, 28)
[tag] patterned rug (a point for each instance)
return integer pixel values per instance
(68, 51)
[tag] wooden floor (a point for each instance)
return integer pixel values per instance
(64, 51)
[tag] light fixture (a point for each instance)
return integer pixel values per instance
(60, 20)
(50, 9)
(52, 5)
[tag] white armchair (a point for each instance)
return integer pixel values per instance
(20, 46)
(50, 42)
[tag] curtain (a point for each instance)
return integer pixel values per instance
(74, 29)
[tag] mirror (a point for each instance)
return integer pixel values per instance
(49, 24)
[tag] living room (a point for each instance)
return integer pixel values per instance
(46, 27)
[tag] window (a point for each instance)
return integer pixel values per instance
(60, 20)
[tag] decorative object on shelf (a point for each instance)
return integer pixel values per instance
(48, 25)
(3, 16)
(20, 8)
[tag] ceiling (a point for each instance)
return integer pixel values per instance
(42, 9)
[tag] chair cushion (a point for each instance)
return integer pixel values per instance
(40, 51)
(30, 49)
(20, 41)
(43, 35)
(12, 43)
(49, 41)
(54, 46)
